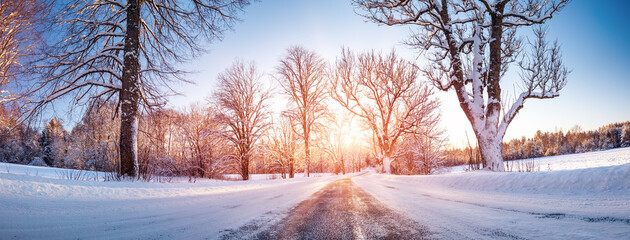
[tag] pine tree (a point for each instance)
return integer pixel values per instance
(625, 135)
(53, 143)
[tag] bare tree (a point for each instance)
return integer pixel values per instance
(301, 74)
(333, 146)
(243, 110)
(130, 49)
(383, 91)
(471, 44)
(159, 139)
(20, 24)
(338, 146)
(198, 132)
(424, 149)
(283, 144)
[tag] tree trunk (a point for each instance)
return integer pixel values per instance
(129, 95)
(202, 168)
(291, 172)
(307, 160)
(387, 162)
(245, 168)
(342, 165)
(490, 148)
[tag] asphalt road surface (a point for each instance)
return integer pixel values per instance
(341, 210)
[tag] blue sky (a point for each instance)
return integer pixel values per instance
(594, 35)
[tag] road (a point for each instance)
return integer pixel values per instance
(341, 210)
(387, 207)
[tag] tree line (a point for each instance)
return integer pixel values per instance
(555, 143)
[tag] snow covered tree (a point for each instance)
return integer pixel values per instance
(301, 74)
(160, 145)
(20, 24)
(197, 129)
(18, 141)
(470, 45)
(383, 91)
(93, 141)
(131, 49)
(625, 135)
(243, 111)
(610, 138)
(425, 148)
(53, 143)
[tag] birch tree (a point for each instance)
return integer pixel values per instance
(384, 92)
(243, 110)
(471, 44)
(130, 49)
(301, 74)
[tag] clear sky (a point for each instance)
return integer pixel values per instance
(595, 39)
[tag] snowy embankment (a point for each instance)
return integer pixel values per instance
(36, 204)
(583, 203)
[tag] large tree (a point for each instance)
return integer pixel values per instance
(242, 104)
(302, 75)
(471, 44)
(383, 91)
(130, 49)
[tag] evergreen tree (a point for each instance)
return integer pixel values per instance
(625, 135)
(53, 143)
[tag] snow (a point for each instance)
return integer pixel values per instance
(588, 200)
(36, 204)
(617, 156)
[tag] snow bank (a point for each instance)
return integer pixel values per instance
(581, 203)
(579, 181)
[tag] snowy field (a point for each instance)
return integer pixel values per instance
(584, 196)
(617, 156)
